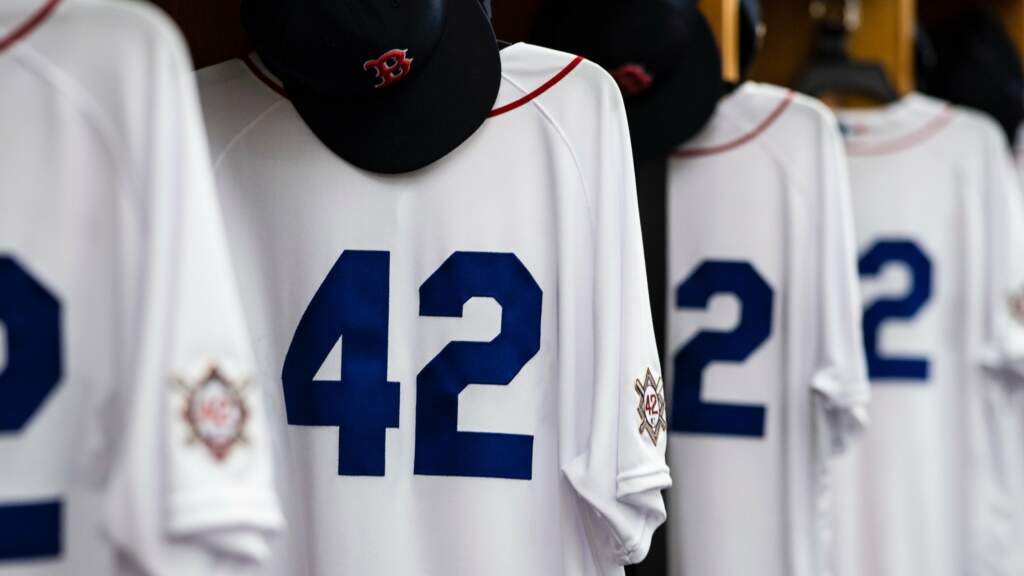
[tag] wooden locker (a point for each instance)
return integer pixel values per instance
(724, 18)
(885, 35)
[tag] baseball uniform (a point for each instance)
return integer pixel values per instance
(127, 431)
(767, 364)
(941, 258)
(463, 357)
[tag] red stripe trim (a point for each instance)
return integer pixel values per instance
(910, 140)
(542, 89)
(757, 131)
(29, 25)
(264, 77)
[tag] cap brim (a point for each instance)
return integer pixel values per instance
(420, 120)
(676, 110)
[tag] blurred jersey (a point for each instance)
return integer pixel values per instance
(767, 361)
(940, 228)
(1015, 420)
(464, 356)
(125, 427)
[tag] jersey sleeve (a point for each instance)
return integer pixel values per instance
(194, 477)
(1004, 346)
(622, 471)
(840, 381)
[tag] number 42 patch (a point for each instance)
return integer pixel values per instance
(215, 410)
(651, 406)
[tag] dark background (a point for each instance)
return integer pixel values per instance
(215, 34)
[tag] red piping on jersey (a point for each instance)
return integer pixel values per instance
(931, 128)
(542, 89)
(266, 79)
(757, 131)
(29, 25)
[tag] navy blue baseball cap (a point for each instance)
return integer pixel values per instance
(389, 85)
(663, 55)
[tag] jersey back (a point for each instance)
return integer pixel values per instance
(936, 210)
(464, 361)
(763, 333)
(97, 286)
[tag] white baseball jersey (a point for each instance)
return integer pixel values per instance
(767, 366)
(1015, 420)
(941, 258)
(125, 427)
(463, 356)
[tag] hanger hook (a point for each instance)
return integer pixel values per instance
(851, 12)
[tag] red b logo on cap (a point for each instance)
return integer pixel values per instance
(632, 79)
(389, 68)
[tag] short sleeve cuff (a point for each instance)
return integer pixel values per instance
(627, 520)
(1006, 365)
(238, 523)
(841, 408)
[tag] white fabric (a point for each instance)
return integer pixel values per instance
(926, 492)
(107, 200)
(764, 184)
(550, 182)
(1014, 422)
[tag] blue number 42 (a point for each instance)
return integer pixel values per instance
(352, 305)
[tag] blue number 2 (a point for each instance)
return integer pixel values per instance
(880, 255)
(31, 315)
(352, 304)
(441, 450)
(690, 414)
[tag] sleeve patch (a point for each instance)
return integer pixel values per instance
(651, 406)
(1016, 304)
(216, 411)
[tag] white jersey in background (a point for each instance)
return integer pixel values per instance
(767, 365)
(127, 429)
(1015, 419)
(463, 357)
(940, 228)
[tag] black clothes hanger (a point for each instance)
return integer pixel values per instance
(832, 71)
(752, 32)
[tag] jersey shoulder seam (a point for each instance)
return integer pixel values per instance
(537, 92)
(244, 131)
(751, 134)
(928, 130)
(776, 154)
(249, 126)
(549, 119)
(71, 91)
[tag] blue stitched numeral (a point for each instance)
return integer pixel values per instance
(441, 450)
(882, 254)
(690, 414)
(351, 304)
(31, 316)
